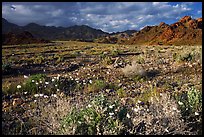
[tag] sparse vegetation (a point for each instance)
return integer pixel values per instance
(96, 86)
(99, 91)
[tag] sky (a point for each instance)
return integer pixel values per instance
(107, 16)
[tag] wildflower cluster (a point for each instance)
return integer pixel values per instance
(100, 117)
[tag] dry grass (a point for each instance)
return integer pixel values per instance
(134, 70)
(160, 118)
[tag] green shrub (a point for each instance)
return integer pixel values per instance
(115, 52)
(6, 68)
(97, 85)
(100, 117)
(31, 86)
(190, 101)
(39, 60)
(107, 61)
(121, 93)
(190, 104)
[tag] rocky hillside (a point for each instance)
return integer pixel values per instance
(21, 38)
(118, 37)
(186, 31)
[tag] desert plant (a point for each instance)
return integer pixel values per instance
(30, 84)
(121, 93)
(98, 118)
(107, 61)
(96, 86)
(134, 70)
(39, 60)
(190, 104)
(6, 68)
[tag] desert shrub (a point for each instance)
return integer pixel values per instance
(6, 68)
(103, 55)
(140, 60)
(121, 93)
(190, 104)
(96, 86)
(187, 56)
(190, 101)
(146, 95)
(75, 54)
(100, 117)
(115, 52)
(107, 61)
(161, 116)
(9, 88)
(59, 59)
(39, 60)
(134, 70)
(30, 84)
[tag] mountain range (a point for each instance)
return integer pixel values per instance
(186, 31)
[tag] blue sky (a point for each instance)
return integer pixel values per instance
(107, 16)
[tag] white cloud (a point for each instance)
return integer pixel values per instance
(109, 16)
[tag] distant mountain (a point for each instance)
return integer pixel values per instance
(118, 37)
(10, 27)
(83, 32)
(20, 38)
(186, 31)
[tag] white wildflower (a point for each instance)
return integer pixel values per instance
(55, 85)
(196, 113)
(166, 130)
(46, 83)
(19, 86)
(174, 109)
(36, 95)
(40, 81)
(25, 76)
(90, 81)
(89, 105)
(58, 90)
(54, 95)
(45, 96)
(25, 92)
(160, 94)
(111, 114)
(33, 80)
(128, 116)
(180, 103)
(139, 101)
(53, 80)
(35, 100)
(41, 95)
(36, 83)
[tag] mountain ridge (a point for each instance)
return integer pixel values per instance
(186, 31)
